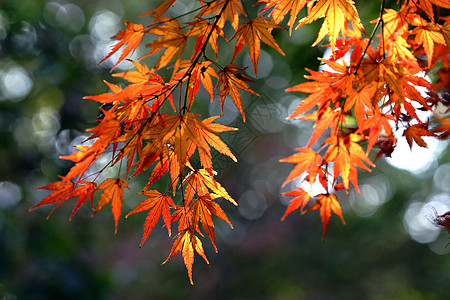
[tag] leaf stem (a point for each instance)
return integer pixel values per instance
(380, 21)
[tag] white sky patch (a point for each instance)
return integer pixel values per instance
(313, 189)
(418, 217)
(417, 159)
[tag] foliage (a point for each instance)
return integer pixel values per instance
(356, 105)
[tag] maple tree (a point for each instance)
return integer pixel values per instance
(377, 80)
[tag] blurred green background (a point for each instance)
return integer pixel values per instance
(49, 54)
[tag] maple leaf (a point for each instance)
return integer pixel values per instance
(320, 93)
(307, 161)
(200, 73)
(352, 40)
(84, 191)
(252, 33)
(427, 6)
(133, 146)
(403, 84)
(326, 88)
(186, 243)
(375, 124)
(386, 145)
(230, 81)
(62, 190)
(207, 33)
(163, 162)
(198, 182)
(182, 128)
(112, 192)
(281, 9)
(159, 11)
(132, 36)
(157, 204)
(78, 156)
(399, 48)
(427, 36)
(107, 132)
(202, 210)
(443, 129)
(446, 33)
(189, 134)
(394, 22)
(323, 120)
(230, 11)
(443, 221)
(300, 200)
(335, 13)
(172, 38)
(107, 97)
(416, 132)
(327, 203)
(214, 140)
(347, 154)
(359, 100)
(146, 86)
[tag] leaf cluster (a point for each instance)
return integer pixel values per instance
(378, 86)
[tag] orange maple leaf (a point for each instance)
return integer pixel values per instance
(394, 22)
(281, 9)
(328, 118)
(347, 154)
(427, 6)
(446, 33)
(307, 161)
(200, 73)
(326, 88)
(203, 208)
(335, 13)
(301, 199)
(132, 36)
(375, 124)
(207, 33)
(230, 81)
(182, 128)
(145, 86)
(252, 33)
(157, 204)
(133, 145)
(359, 100)
(186, 243)
(112, 191)
(189, 134)
(62, 190)
(107, 97)
(443, 129)
(84, 191)
(199, 181)
(107, 132)
(327, 203)
(427, 36)
(230, 12)
(172, 38)
(159, 11)
(163, 162)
